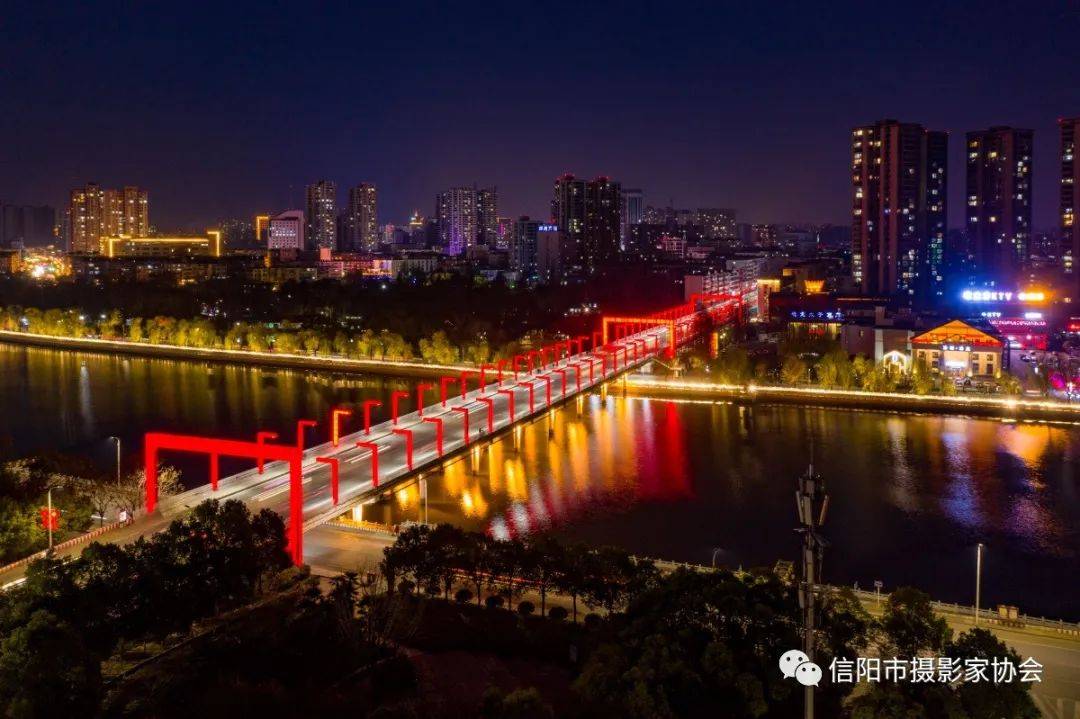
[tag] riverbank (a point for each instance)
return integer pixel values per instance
(262, 359)
(1002, 407)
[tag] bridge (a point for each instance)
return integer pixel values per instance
(461, 412)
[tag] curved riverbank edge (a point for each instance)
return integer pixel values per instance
(1001, 407)
(222, 356)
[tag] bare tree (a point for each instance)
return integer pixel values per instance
(130, 493)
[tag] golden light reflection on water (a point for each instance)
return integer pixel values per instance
(567, 462)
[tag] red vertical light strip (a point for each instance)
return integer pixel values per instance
(334, 470)
(368, 404)
(335, 424)
(464, 422)
(510, 401)
(395, 397)
(490, 412)
(260, 439)
(374, 449)
(408, 435)
(300, 425)
(442, 388)
(420, 389)
(437, 421)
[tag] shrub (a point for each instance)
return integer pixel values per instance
(463, 596)
(558, 614)
(493, 602)
(526, 608)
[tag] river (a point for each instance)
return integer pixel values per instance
(911, 495)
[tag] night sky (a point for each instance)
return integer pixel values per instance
(224, 109)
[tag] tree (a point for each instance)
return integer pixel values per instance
(792, 370)
(46, 671)
(20, 532)
(1010, 384)
(286, 342)
(130, 493)
(733, 365)
(518, 704)
(989, 700)
(910, 625)
(694, 643)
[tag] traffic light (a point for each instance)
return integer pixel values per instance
(50, 518)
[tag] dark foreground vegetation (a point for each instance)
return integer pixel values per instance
(208, 619)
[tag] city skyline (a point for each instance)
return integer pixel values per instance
(665, 125)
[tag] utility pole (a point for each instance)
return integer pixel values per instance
(812, 503)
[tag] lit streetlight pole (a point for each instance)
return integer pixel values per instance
(978, 578)
(117, 440)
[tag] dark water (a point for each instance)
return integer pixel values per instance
(911, 495)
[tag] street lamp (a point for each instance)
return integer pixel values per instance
(978, 578)
(117, 440)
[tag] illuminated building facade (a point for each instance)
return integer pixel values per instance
(1069, 204)
(361, 219)
(998, 212)
(957, 349)
(487, 217)
(523, 245)
(568, 214)
(95, 213)
(898, 209)
(208, 245)
(322, 214)
(86, 219)
(286, 231)
(456, 213)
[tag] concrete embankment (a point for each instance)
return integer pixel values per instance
(261, 359)
(1014, 408)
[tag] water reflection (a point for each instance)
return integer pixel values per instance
(911, 495)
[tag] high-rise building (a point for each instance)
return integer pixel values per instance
(589, 216)
(601, 240)
(998, 213)
(127, 213)
(456, 214)
(361, 219)
(523, 246)
(86, 219)
(506, 233)
(898, 209)
(286, 231)
(322, 214)
(549, 252)
(487, 217)
(1069, 204)
(632, 208)
(568, 214)
(27, 226)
